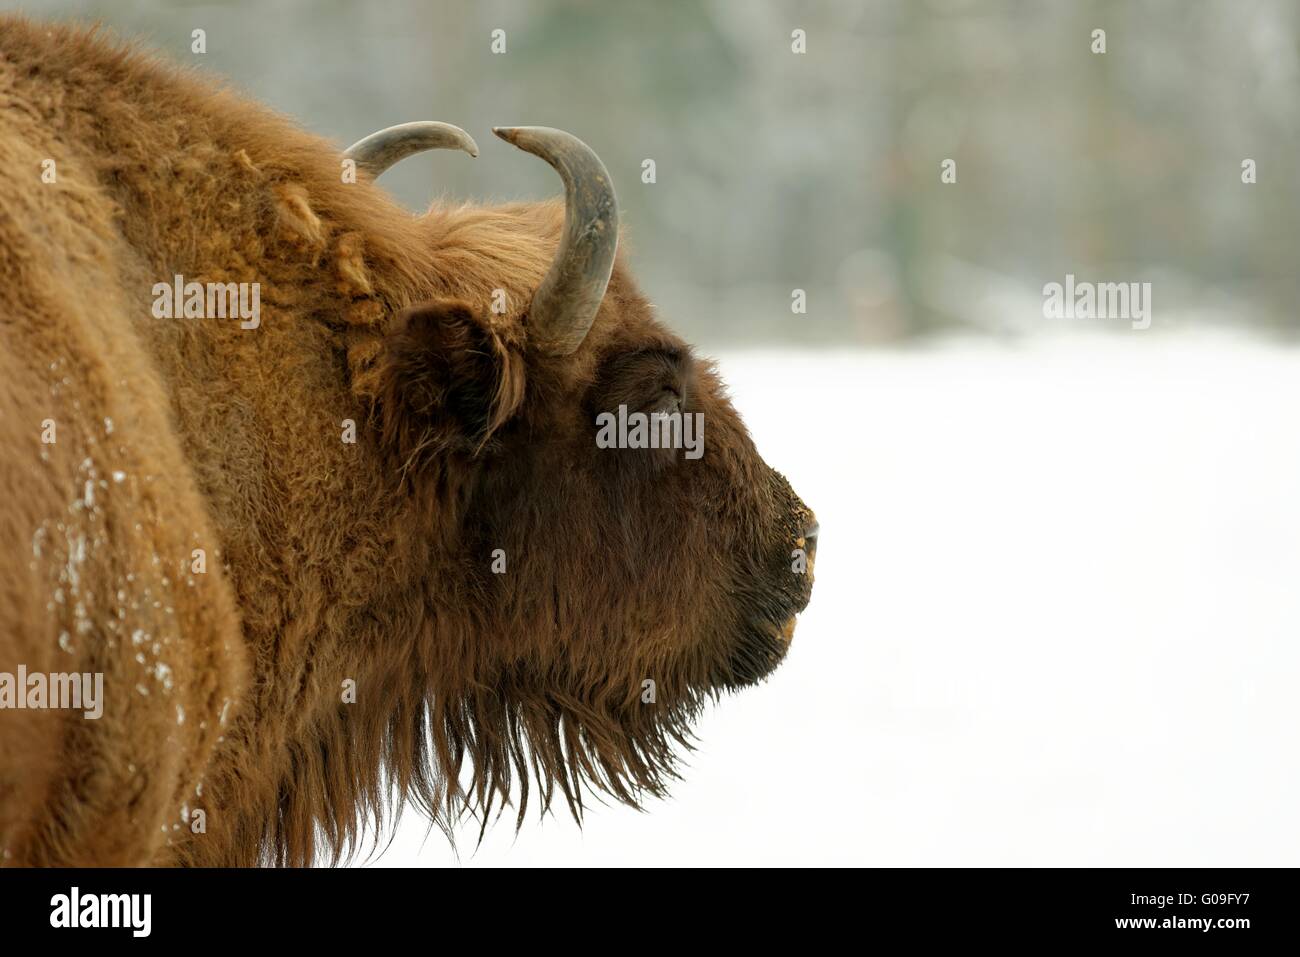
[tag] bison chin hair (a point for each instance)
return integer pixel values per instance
(468, 753)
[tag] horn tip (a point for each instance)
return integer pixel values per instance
(465, 141)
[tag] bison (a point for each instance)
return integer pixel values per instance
(364, 550)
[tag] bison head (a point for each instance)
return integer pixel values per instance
(589, 596)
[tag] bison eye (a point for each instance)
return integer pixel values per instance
(668, 401)
(647, 381)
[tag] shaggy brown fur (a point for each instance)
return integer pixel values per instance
(330, 561)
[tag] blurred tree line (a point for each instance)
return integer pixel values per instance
(777, 170)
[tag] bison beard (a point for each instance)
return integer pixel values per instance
(638, 585)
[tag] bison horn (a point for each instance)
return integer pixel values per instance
(378, 151)
(565, 303)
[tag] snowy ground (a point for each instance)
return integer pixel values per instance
(1055, 621)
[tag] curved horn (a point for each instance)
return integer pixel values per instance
(378, 151)
(565, 303)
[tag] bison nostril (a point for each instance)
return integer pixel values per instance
(810, 535)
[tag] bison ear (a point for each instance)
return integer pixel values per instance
(447, 380)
